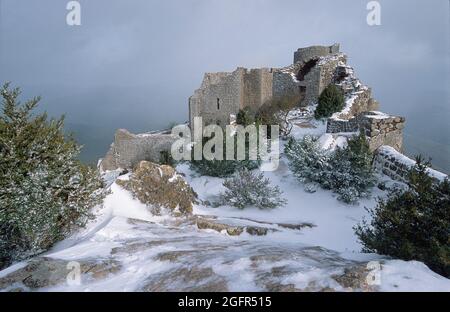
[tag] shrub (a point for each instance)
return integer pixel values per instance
(307, 160)
(347, 171)
(412, 223)
(224, 168)
(276, 111)
(45, 192)
(246, 188)
(351, 174)
(245, 117)
(331, 100)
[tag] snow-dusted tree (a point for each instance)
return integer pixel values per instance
(45, 192)
(412, 223)
(246, 188)
(347, 171)
(307, 160)
(352, 174)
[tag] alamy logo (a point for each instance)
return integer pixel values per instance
(73, 18)
(74, 276)
(374, 15)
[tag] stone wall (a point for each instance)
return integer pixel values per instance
(285, 82)
(224, 94)
(380, 129)
(396, 165)
(305, 54)
(129, 149)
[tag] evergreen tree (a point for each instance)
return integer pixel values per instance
(412, 224)
(352, 174)
(307, 160)
(246, 188)
(45, 192)
(331, 100)
(225, 168)
(245, 117)
(347, 171)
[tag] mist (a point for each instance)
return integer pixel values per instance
(133, 64)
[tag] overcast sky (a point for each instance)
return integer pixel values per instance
(134, 63)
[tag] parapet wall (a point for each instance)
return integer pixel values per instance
(305, 54)
(380, 129)
(396, 165)
(129, 149)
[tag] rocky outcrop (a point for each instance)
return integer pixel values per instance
(232, 230)
(129, 149)
(160, 187)
(42, 272)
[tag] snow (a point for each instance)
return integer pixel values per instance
(391, 152)
(330, 141)
(398, 275)
(123, 220)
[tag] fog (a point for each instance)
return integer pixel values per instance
(133, 64)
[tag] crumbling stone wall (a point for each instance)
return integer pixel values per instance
(319, 77)
(302, 55)
(129, 149)
(224, 94)
(285, 82)
(380, 129)
(396, 165)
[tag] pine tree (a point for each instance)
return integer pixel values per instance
(246, 188)
(346, 171)
(412, 224)
(45, 192)
(331, 100)
(307, 160)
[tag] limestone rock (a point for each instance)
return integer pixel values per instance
(160, 186)
(129, 149)
(44, 272)
(233, 230)
(355, 279)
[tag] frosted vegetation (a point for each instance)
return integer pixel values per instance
(310, 240)
(45, 192)
(346, 171)
(248, 188)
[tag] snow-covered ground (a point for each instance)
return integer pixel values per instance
(168, 254)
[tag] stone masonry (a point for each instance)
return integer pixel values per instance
(380, 129)
(396, 165)
(221, 95)
(129, 149)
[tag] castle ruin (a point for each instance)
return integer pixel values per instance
(221, 96)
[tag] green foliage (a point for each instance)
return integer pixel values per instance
(45, 192)
(347, 171)
(245, 117)
(331, 100)
(246, 188)
(224, 168)
(412, 224)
